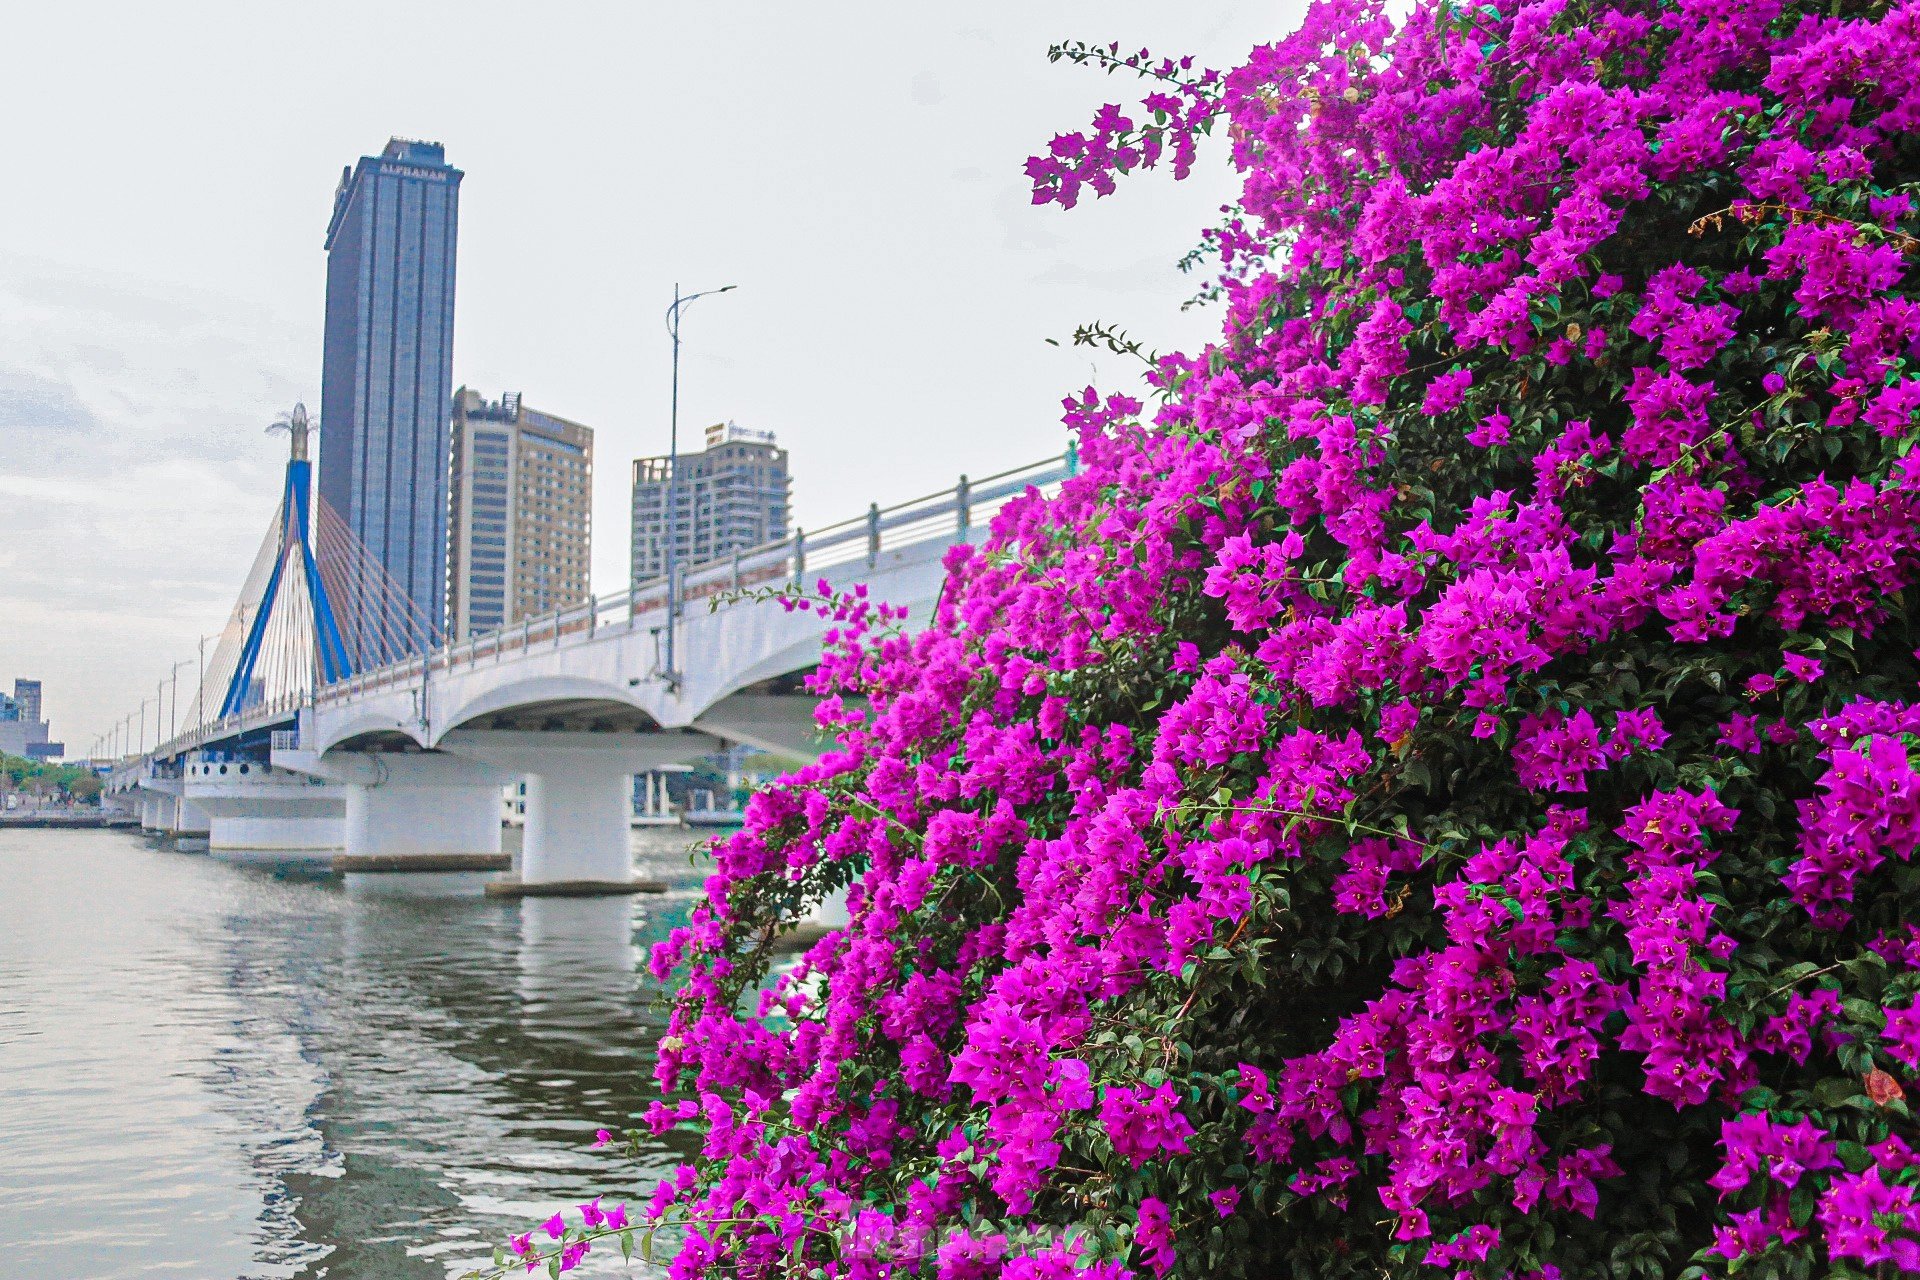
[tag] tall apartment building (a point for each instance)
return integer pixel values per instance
(731, 497)
(521, 517)
(385, 384)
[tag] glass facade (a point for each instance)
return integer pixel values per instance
(385, 389)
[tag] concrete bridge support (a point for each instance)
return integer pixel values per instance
(179, 817)
(579, 799)
(190, 820)
(577, 824)
(256, 810)
(156, 805)
(416, 822)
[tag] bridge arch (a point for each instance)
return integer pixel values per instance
(568, 697)
(364, 724)
(800, 654)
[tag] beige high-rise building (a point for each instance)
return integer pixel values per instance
(733, 496)
(520, 532)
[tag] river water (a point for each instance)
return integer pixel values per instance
(211, 1070)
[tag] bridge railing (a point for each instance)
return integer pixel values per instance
(253, 716)
(950, 516)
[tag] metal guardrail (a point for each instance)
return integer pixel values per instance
(253, 716)
(950, 515)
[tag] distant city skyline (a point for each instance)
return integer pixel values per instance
(162, 290)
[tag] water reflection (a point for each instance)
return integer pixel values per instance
(577, 964)
(209, 1069)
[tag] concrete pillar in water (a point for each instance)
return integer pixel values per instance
(577, 824)
(416, 822)
(256, 810)
(191, 826)
(190, 820)
(579, 800)
(178, 816)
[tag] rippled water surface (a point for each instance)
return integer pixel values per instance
(210, 1070)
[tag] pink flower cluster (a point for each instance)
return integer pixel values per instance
(1459, 751)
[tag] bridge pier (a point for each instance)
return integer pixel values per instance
(256, 809)
(577, 825)
(416, 822)
(159, 808)
(191, 821)
(178, 816)
(579, 800)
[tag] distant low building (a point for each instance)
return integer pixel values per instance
(520, 524)
(23, 731)
(731, 497)
(27, 694)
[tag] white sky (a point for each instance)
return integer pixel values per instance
(855, 168)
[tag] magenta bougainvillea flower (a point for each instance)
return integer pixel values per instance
(1436, 793)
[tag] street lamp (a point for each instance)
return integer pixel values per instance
(173, 729)
(200, 694)
(674, 312)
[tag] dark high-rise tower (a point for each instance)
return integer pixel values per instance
(387, 385)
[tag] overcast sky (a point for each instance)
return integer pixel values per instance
(855, 168)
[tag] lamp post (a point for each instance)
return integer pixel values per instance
(674, 312)
(200, 693)
(173, 723)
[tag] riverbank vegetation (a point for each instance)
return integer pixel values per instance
(1436, 796)
(64, 783)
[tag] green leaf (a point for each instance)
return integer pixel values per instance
(1835, 1090)
(1864, 1012)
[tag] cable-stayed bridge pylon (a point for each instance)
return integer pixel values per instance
(286, 636)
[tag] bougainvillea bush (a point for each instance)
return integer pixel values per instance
(1436, 796)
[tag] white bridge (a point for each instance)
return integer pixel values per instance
(401, 765)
